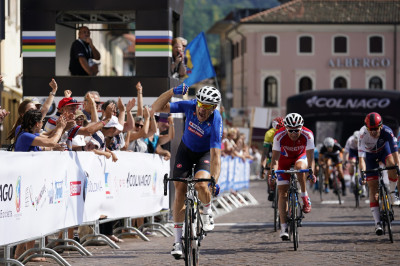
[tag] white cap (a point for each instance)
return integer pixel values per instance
(114, 123)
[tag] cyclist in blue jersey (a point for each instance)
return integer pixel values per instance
(200, 145)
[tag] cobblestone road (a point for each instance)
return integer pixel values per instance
(331, 235)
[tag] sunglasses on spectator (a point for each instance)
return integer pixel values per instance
(293, 130)
(138, 125)
(205, 106)
(374, 129)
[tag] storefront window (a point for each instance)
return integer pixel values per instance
(305, 44)
(375, 83)
(270, 44)
(340, 45)
(270, 92)
(375, 45)
(340, 83)
(305, 84)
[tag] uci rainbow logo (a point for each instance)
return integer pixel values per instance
(18, 194)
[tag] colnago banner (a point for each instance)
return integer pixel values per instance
(41, 192)
(345, 102)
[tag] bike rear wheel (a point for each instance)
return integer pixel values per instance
(276, 209)
(198, 236)
(188, 239)
(386, 214)
(321, 182)
(293, 220)
(357, 190)
(336, 186)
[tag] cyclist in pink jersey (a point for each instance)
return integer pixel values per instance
(293, 145)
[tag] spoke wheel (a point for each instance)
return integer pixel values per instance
(320, 182)
(188, 235)
(357, 190)
(276, 209)
(386, 211)
(336, 186)
(292, 214)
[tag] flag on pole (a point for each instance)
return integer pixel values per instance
(199, 66)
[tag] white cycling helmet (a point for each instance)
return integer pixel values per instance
(356, 134)
(293, 120)
(208, 95)
(329, 142)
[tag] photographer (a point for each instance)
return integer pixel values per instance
(178, 66)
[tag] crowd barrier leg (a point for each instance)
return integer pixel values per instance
(242, 199)
(128, 227)
(97, 235)
(214, 208)
(233, 200)
(161, 228)
(7, 257)
(76, 246)
(41, 252)
(225, 204)
(250, 197)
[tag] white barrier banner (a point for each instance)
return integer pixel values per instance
(41, 192)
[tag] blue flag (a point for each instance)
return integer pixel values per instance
(199, 66)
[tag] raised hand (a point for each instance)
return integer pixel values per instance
(67, 93)
(130, 105)
(54, 86)
(109, 110)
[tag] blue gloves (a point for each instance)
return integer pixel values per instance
(181, 89)
(216, 189)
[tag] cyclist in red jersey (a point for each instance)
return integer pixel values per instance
(293, 145)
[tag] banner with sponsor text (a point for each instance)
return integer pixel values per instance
(41, 192)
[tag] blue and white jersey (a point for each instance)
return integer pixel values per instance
(369, 144)
(199, 137)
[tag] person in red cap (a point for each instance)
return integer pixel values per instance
(67, 107)
(376, 144)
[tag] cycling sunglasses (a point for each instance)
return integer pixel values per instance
(138, 125)
(205, 106)
(293, 130)
(374, 129)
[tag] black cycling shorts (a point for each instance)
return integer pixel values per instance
(185, 158)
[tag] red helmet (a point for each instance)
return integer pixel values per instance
(277, 123)
(373, 120)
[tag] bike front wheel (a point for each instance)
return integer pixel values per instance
(276, 209)
(188, 239)
(386, 213)
(293, 220)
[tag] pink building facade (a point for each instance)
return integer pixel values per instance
(309, 45)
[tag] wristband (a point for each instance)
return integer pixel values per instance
(181, 89)
(52, 93)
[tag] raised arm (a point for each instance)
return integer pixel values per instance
(51, 141)
(129, 125)
(162, 103)
(93, 108)
(139, 90)
(46, 106)
(93, 127)
(171, 132)
(122, 111)
(215, 167)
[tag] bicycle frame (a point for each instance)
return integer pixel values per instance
(385, 204)
(193, 224)
(295, 213)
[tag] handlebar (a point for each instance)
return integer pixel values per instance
(189, 180)
(292, 171)
(380, 169)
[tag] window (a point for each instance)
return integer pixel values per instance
(270, 92)
(305, 84)
(305, 44)
(375, 45)
(270, 44)
(340, 83)
(340, 45)
(375, 83)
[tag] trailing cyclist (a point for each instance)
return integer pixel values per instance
(200, 145)
(293, 145)
(330, 153)
(277, 123)
(376, 144)
(350, 155)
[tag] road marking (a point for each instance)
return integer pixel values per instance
(331, 202)
(311, 223)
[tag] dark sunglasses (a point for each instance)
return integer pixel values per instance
(374, 129)
(293, 130)
(138, 125)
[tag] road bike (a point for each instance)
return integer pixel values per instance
(277, 220)
(295, 211)
(321, 182)
(193, 232)
(337, 185)
(385, 203)
(357, 190)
